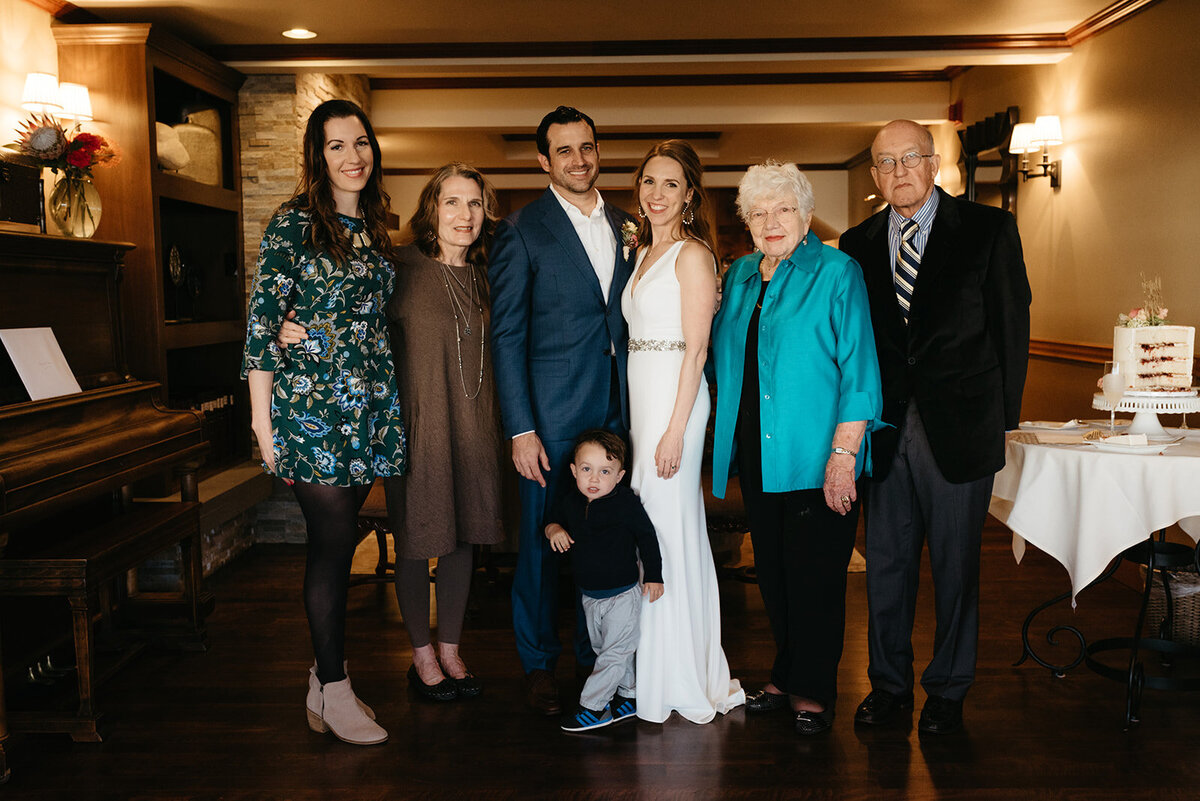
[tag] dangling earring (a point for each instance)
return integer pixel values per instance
(689, 217)
(641, 214)
(431, 236)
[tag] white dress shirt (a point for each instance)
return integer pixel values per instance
(597, 238)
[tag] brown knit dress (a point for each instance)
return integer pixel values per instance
(451, 492)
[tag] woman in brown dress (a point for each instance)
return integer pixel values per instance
(449, 500)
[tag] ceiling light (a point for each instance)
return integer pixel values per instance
(299, 33)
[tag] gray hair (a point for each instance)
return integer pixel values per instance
(771, 178)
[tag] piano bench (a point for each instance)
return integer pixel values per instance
(82, 569)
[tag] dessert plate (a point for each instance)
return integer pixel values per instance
(1140, 450)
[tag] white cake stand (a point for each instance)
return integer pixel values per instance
(1147, 406)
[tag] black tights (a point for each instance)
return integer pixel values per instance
(331, 515)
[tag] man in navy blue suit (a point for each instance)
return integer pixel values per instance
(557, 270)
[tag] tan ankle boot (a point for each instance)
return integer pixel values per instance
(340, 713)
(314, 697)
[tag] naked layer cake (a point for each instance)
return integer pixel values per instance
(1155, 358)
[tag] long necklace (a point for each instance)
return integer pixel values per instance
(458, 310)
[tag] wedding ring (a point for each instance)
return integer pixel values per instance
(845, 499)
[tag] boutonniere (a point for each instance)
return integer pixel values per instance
(629, 240)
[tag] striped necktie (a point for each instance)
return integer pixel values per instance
(908, 261)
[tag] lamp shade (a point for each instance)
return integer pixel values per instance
(1022, 138)
(41, 93)
(1048, 130)
(76, 103)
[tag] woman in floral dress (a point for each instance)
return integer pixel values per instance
(326, 414)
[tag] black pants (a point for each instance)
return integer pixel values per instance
(801, 550)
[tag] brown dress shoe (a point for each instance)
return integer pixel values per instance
(541, 693)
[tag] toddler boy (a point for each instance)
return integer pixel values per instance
(605, 528)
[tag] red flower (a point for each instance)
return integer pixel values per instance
(80, 158)
(87, 141)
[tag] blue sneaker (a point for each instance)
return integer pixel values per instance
(622, 708)
(586, 719)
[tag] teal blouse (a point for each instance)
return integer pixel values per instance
(334, 404)
(816, 364)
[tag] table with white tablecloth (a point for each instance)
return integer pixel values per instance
(1088, 508)
(1084, 506)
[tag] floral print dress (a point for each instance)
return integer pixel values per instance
(334, 405)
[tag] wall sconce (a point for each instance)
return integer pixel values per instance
(69, 102)
(76, 102)
(41, 93)
(1030, 137)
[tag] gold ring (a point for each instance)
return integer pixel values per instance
(845, 499)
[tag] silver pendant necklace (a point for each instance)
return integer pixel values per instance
(458, 309)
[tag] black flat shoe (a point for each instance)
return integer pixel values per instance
(810, 723)
(882, 707)
(442, 691)
(763, 701)
(940, 716)
(468, 686)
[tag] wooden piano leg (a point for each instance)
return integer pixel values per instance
(82, 612)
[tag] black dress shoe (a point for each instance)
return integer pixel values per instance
(468, 686)
(940, 715)
(881, 707)
(763, 701)
(810, 723)
(442, 691)
(541, 692)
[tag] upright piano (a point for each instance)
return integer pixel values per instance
(84, 452)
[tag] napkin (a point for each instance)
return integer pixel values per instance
(1049, 437)
(1072, 423)
(1126, 439)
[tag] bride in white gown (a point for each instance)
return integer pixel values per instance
(669, 303)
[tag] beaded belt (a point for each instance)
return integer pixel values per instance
(656, 344)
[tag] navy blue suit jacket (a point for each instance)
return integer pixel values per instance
(552, 331)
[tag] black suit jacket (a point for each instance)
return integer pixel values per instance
(964, 353)
(553, 333)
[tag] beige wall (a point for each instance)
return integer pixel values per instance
(26, 45)
(1131, 165)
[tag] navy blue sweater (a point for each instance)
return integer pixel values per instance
(609, 534)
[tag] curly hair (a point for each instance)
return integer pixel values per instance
(683, 154)
(423, 225)
(771, 179)
(314, 193)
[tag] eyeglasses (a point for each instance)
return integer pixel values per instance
(887, 164)
(783, 214)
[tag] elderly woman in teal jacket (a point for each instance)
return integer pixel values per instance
(797, 391)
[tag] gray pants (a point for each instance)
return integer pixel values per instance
(612, 624)
(912, 506)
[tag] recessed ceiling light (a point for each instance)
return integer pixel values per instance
(299, 33)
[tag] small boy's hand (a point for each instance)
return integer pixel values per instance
(560, 541)
(653, 591)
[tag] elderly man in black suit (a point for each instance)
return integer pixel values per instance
(950, 306)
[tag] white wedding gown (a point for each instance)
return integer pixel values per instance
(680, 664)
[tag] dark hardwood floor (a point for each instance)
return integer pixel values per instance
(230, 724)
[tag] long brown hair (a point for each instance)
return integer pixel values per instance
(314, 193)
(423, 226)
(682, 153)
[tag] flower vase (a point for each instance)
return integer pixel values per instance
(75, 205)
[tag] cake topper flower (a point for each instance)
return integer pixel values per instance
(1152, 312)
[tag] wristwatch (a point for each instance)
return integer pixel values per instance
(844, 452)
